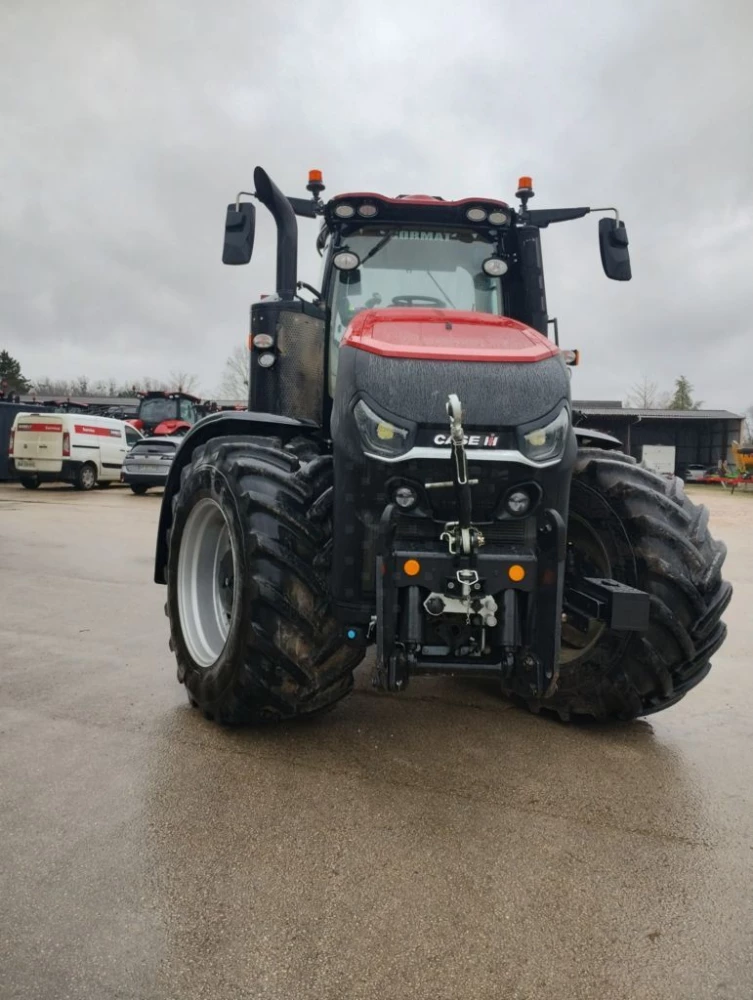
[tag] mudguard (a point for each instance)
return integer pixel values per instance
(215, 425)
(597, 439)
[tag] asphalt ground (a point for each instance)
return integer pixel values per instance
(441, 843)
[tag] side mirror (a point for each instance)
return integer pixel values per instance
(240, 225)
(613, 244)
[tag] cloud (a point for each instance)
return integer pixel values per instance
(128, 128)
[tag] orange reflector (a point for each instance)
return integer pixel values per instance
(525, 183)
(249, 341)
(315, 176)
(516, 573)
(411, 567)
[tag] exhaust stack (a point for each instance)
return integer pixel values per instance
(287, 232)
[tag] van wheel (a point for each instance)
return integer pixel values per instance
(139, 490)
(30, 482)
(86, 477)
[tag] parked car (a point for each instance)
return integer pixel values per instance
(693, 473)
(81, 449)
(148, 462)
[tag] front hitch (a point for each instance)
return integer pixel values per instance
(462, 536)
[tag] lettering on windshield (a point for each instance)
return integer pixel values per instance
(420, 234)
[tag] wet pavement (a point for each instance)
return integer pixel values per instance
(438, 844)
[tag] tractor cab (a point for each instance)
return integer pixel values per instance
(166, 413)
(386, 255)
(419, 253)
(66, 406)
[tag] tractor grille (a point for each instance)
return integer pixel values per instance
(294, 386)
(300, 340)
(486, 500)
(522, 532)
(442, 503)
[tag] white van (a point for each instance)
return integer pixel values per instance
(69, 447)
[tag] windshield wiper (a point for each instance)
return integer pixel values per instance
(375, 249)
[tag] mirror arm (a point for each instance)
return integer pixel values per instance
(238, 197)
(615, 210)
(543, 217)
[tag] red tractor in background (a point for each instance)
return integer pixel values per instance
(167, 413)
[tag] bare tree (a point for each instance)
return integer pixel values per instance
(646, 395)
(234, 384)
(83, 386)
(47, 386)
(643, 395)
(183, 382)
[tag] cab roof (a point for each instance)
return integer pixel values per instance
(369, 208)
(412, 199)
(162, 394)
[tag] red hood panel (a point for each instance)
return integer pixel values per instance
(170, 427)
(446, 335)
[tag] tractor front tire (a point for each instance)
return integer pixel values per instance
(248, 594)
(646, 533)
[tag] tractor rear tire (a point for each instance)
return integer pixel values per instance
(251, 538)
(654, 538)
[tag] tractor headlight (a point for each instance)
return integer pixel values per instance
(545, 443)
(380, 436)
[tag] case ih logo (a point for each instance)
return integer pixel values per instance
(471, 440)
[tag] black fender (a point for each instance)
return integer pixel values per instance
(221, 424)
(597, 439)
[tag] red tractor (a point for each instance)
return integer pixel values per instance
(167, 413)
(411, 478)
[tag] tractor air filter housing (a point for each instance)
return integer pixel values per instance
(287, 372)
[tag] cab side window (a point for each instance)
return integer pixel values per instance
(132, 436)
(187, 411)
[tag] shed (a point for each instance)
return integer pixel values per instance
(700, 437)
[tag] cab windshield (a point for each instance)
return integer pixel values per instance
(154, 411)
(423, 267)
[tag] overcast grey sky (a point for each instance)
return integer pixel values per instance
(127, 127)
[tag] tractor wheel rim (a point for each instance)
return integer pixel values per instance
(206, 578)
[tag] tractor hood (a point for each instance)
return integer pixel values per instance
(446, 335)
(406, 362)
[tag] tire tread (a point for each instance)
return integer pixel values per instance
(680, 564)
(293, 660)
